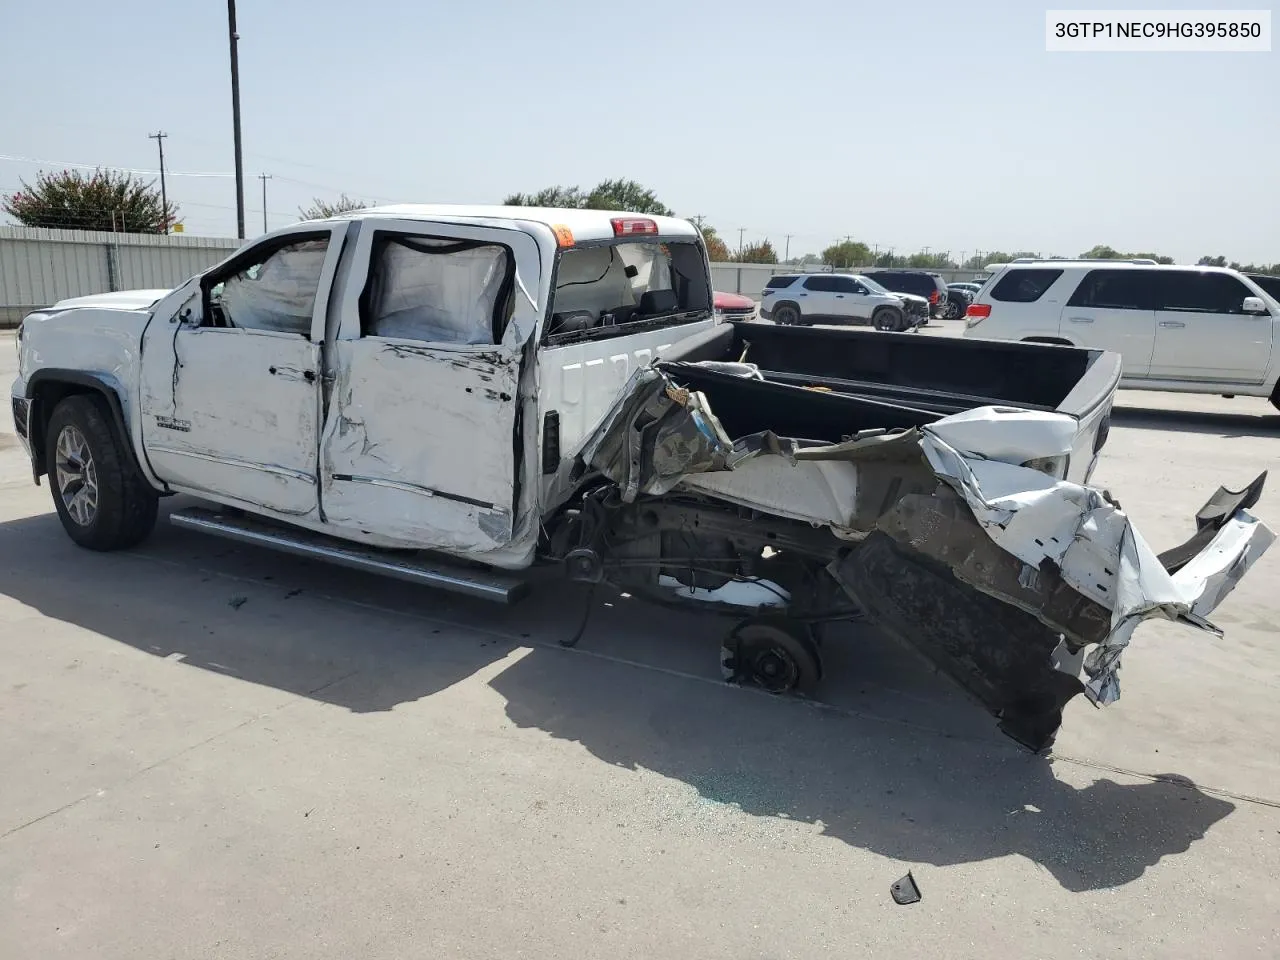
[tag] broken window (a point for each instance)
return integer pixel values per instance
(609, 285)
(277, 293)
(437, 291)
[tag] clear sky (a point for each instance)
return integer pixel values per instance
(905, 124)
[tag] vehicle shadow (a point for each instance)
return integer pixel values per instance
(905, 786)
(1229, 426)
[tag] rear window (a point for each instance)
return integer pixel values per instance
(777, 283)
(917, 283)
(1024, 286)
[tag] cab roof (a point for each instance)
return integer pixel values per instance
(584, 224)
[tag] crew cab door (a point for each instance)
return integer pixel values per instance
(1202, 331)
(419, 446)
(230, 384)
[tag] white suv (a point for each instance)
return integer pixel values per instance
(843, 298)
(1192, 329)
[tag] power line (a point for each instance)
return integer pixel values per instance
(107, 166)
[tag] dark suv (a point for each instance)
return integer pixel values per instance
(931, 286)
(1268, 283)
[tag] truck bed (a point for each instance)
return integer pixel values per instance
(823, 385)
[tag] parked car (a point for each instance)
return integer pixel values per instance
(966, 286)
(920, 283)
(1191, 329)
(447, 395)
(733, 306)
(1270, 284)
(840, 298)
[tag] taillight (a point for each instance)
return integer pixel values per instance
(975, 313)
(933, 297)
(631, 226)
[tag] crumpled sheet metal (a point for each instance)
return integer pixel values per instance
(661, 433)
(1086, 536)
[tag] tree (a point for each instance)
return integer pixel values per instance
(930, 261)
(104, 200)
(807, 259)
(717, 249)
(846, 254)
(979, 260)
(1103, 252)
(757, 253)
(321, 210)
(548, 197)
(625, 195)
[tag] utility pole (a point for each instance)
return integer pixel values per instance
(741, 231)
(786, 257)
(164, 196)
(697, 220)
(234, 39)
(264, 177)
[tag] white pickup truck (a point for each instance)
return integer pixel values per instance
(450, 394)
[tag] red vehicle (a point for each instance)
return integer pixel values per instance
(733, 306)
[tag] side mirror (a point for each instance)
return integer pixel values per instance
(1255, 305)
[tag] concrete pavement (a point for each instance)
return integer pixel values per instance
(212, 751)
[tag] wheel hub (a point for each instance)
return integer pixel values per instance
(76, 476)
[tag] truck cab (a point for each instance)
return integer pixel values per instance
(407, 376)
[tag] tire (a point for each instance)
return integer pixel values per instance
(888, 319)
(101, 499)
(787, 315)
(954, 310)
(772, 653)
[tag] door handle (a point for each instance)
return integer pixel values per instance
(1080, 319)
(1172, 324)
(839, 296)
(307, 375)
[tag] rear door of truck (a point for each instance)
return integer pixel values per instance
(419, 444)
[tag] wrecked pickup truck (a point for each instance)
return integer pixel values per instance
(450, 395)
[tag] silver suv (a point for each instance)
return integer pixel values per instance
(840, 298)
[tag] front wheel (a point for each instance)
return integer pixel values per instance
(887, 319)
(101, 499)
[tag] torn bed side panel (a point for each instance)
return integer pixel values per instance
(1085, 536)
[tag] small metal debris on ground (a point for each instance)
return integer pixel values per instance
(238, 602)
(905, 890)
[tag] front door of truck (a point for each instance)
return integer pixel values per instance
(419, 446)
(230, 385)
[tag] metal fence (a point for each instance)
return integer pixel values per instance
(39, 267)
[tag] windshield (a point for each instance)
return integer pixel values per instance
(599, 288)
(872, 285)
